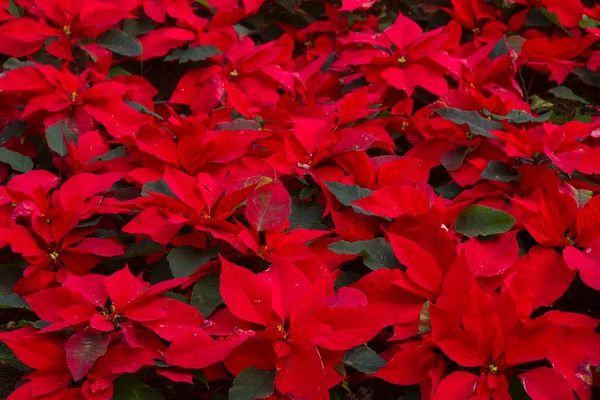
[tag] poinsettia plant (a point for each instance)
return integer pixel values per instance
(299, 199)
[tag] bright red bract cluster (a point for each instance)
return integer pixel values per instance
(300, 199)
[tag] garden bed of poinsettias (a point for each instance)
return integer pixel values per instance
(303, 199)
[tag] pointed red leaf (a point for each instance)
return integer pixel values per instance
(247, 296)
(546, 384)
(83, 349)
(288, 284)
(268, 206)
(302, 375)
(491, 257)
(99, 247)
(393, 201)
(586, 263)
(456, 386)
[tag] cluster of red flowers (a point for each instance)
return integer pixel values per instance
(299, 199)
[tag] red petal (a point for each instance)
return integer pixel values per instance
(456, 386)
(546, 384)
(247, 296)
(403, 32)
(82, 350)
(394, 201)
(302, 374)
(585, 262)
(268, 206)
(492, 257)
(288, 284)
(123, 287)
(99, 247)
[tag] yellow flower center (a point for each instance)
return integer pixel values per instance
(67, 30)
(493, 369)
(402, 60)
(73, 95)
(308, 43)
(54, 256)
(234, 74)
(476, 30)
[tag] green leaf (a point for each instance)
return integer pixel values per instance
(138, 26)
(161, 272)
(516, 42)
(41, 324)
(563, 92)
(56, 141)
(184, 260)
(587, 22)
(242, 31)
(536, 19)
(477, 220)
(8, 357)
(328, 62)
(15, 63)
(499, 49)
(142, 109)
(588, 76)
(199, 53)
(498, 171)
(111, 154)
(307, 192)
(15, 129)
(129, 387)
(347, 278)
(306, 215)
(288, 5)
(448, 191)
(206, 296)
(538, 104)
(90, 222)
(17, 161)
(333, 395)
(14, 9)
(553, 17)
(585, 118)
(518, 117)
(346, 194)
(13, 301)
(454, 159)
(118, 71)
(516, 389)
(143, 248)
(477, 124)
(377, 253)
(251, 384)
(177, 296)
(120, 42)
(9, 275)
(583, 196)
(158, 186)
(363, 359)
